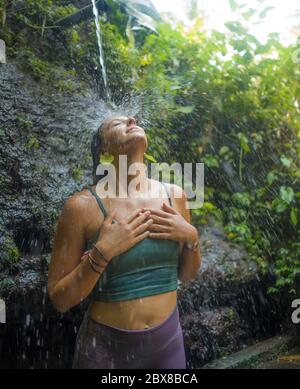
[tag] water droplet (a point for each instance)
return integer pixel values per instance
(27, 320)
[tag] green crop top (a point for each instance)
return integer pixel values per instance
(148, 268)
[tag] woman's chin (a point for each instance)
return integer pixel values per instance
(138, 138)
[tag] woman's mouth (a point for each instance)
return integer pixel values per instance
(132, 129)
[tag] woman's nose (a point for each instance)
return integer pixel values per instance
(131, 120)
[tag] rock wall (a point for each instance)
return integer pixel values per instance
(44, 158)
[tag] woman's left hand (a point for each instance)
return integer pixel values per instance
(170, 224)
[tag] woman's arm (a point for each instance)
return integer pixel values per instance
(190, 261)
(70, 280)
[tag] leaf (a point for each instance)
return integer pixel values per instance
(106, 158)
(236, 27)
(143, 11)
(210, 161)
(129, 32)
(271, 177)
(247, 15)
(218, 103)
(271, 290)
(150, 158)
(294, 216)
(244, 142)
(186, 109)
(287, 194)
(279, 205)
(263, 14)
(233, 5)
(286, 161)
(223, 150)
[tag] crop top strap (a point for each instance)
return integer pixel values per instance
(99, 201)
(167, 190)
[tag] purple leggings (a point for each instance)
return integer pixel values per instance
(99, 346)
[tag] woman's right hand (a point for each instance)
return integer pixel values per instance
(115, 238)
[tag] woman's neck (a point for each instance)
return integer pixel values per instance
(130, 177)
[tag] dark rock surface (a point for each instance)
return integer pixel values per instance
(44, 157)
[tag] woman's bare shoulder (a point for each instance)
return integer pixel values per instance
(176, 192)
(158, 184)
(78, 204)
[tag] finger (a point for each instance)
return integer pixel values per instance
(169, 209)
(142, 227)
(138, 220)
(159, 228)
(138, 238)
(160, 220)
(159, 212)
(109, 218)
(132, 216)
(159, 235)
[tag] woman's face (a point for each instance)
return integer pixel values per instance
(122, 135)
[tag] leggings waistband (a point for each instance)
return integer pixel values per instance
(157, 333)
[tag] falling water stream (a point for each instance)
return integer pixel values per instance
(101, 56)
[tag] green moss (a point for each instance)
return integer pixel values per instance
(14, 254)
(44, 71)
(6, 283)
(231, 313)
(33, 142)
(10, 253)
(24, 122)
(77, 174)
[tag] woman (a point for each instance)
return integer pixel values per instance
(138, 247)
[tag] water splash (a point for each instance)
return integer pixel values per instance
(101, 55)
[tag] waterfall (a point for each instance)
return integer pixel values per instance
(101, 56)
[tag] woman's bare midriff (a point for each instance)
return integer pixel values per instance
(137, 314)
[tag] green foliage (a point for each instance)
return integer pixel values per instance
(28, 31)
(244, 126)
(206, 212)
